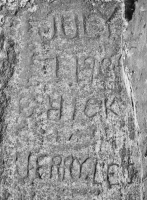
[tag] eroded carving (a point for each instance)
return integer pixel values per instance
(53, 112)
(57, 65)
(67, 167)
(108, 107)
(112, 174)
(69, 26)
(94, 25)
(88, 65)
(55, 165)
(77, 70)
(74, 105)
(77, 167)
(95, 172)
(48, 29)
(92, 107)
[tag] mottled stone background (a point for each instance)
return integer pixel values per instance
(72, 106)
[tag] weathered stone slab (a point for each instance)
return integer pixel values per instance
(135, 61)
(70, 125)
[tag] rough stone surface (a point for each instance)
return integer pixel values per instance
(69, 122)
(135, 61)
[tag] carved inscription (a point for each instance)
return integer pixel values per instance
(55, 165)
(48, 29)
(71, 167)
(71, 26)
(73, 110)
(53, 112)
(80, 70)
(67, 167)
(92, 107)
(94, 25)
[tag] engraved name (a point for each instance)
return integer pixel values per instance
(63, 168)
(91, 108)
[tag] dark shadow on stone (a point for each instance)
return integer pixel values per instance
(129, 9)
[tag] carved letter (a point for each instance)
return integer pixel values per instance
(132, 171)
(95, 182)
(108, 107)
(55, 164)
(92, 107)
(78, 169)
(38, 167)
(112, 175)
(74, 108)
(23, 170)
(77, 70)
(58, 110)
(47, 31)
(57, 67)
(86, 169)
(67, 165)
(89, 63)
(67, 31)
(82, 26)
(94, 25)
(105, 66)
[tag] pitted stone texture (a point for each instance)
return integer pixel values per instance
(70, 123)
(135, 39)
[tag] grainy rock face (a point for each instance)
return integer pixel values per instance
(136, 38)
(68, 117)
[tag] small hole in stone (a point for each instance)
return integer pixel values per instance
(44, 69)
(129, 9)
(145, 155)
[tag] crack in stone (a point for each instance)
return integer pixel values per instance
(129, 88)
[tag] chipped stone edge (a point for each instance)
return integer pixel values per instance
(127, 81)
